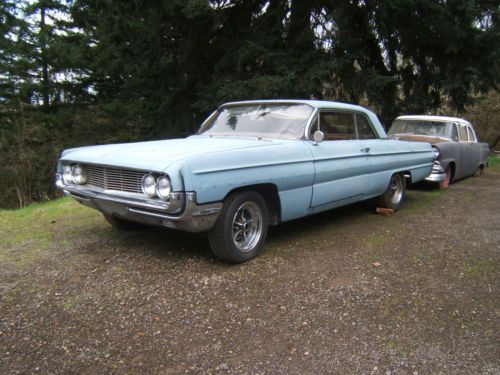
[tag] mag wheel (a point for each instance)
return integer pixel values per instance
(394, 195)
(241, 229)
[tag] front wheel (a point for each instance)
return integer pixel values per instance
(394, 195)
(241, 229)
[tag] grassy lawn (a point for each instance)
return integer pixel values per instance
(494, 160)
(27, 232)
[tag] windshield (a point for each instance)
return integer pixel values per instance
(283, 121)
(435, 128)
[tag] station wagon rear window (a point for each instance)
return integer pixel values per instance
(283, 121)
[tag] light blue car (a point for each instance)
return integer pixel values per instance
(251, 165)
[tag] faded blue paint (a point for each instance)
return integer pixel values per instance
(309, 177)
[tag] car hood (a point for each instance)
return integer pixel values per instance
(158, 155)
(420, 138)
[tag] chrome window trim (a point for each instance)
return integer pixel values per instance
(309, 124)
(207, 121)
(473, 133)
(458, 124)
(318, 112)
(256, 102)
(375, 133)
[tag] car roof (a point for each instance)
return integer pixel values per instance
(433, 118)
(320, 104)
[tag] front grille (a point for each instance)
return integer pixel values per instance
(114, 178)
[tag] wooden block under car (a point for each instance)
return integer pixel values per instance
(444, 184)
(385, 211)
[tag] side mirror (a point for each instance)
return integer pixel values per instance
(318, 136)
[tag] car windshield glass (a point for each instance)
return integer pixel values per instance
(435, 128)
(284, 121)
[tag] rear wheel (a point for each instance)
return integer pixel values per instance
(241, 229)
(478, 171)
(395, 193)
(122, 224)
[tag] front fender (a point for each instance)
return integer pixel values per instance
(288, 166)
(174, 171)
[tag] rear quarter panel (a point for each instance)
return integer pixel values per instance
(389, 156)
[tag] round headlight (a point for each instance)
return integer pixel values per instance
(149, 185)
(67, 174)
(163, 187)
(78, 175)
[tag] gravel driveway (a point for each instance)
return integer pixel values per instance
(347, 291)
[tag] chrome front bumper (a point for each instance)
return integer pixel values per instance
(181, 212)
(438, 174)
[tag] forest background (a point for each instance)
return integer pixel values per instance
(84, 72)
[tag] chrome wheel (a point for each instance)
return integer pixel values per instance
(396, 190)
(247, 226)
(241, 229)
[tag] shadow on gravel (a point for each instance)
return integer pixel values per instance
(172, 244)
(159, 242)
(176, 245)
(339, 217)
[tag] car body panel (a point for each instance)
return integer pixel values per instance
(309, 177)
(465, 155)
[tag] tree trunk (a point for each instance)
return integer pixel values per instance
(45, 65)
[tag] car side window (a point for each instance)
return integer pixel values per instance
(472, 137)
(454, 132)
(365, 131)
(462, 131)
(337, 126)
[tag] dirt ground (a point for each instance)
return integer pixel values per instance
(347, 292)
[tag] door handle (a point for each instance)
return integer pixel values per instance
(366, 149)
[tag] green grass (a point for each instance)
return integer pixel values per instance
(27, 232)
(375, 240)
(481, 267)
(418, 200)
(494, 160)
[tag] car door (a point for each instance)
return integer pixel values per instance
(341, 161)
(465, 162)
(475, 151)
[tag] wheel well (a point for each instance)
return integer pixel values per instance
(407, 175)
(452, 165)
(270, 194)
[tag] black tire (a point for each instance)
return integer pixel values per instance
(243, 214)
(478, 171)
(122, 224)
(394, 195)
